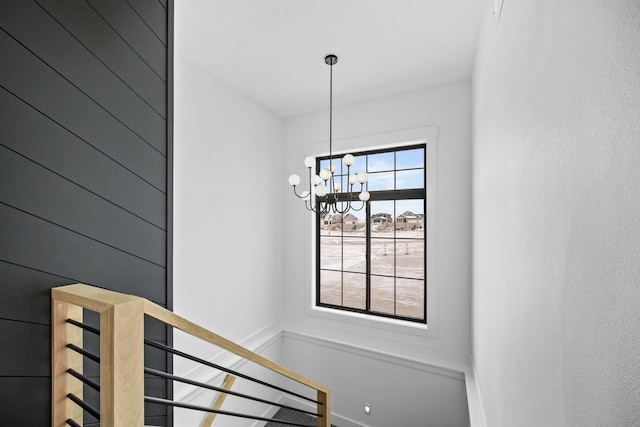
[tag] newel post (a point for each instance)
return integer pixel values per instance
(324, 409)
(122, 364)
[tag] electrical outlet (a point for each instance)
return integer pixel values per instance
(367, 409)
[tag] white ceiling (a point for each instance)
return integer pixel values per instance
(273, 50)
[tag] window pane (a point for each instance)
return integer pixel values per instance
(327, 227)
(359, 164)
(380, 181)
(382, 218)
(382, 261)
(416, 206)
(344, 184)
(331, 253)
(330, 287)
(409, 218)
(380, 162)
(410, 179)
(410, 258)
(410, 298)
(350, 223)
(382, 294)
(407, 159)
(324, 164)
(354, 290)
(354, 254)
(334, 224)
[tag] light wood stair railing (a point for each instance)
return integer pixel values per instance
(122, 356)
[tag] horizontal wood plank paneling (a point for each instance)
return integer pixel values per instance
(81, 66)
(34, 242)
(123, 19)
(40, 86)
(85, 156)
(26, 401)
(26, 349)
(84, 23)
(58, 150)
(28, 298)
(29, 187)
(153, 15)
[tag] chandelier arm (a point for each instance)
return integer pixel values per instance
(308, 206)
(345, 210)
(300, 196)
(360, 208)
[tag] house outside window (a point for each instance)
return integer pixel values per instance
(373, 261)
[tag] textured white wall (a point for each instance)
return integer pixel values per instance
(556, 279)
(227, 224)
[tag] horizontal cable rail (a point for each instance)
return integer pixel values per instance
(88, 381)
(84, 352)
(121, 362)
(72, 423)
(84, 326)
(84, 405)
(222, 368)
(201, 361)
(221, 390)
(167, 402)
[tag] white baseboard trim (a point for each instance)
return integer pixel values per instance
(454, 370)
(477, 416)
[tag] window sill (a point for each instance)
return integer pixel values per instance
(369, 321)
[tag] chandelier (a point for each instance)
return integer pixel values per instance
(324, 195)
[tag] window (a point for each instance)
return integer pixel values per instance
(373, 261)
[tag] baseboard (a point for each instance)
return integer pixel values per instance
(454, 370)
(474, 398)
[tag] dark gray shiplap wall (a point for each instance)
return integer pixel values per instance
(85, 160)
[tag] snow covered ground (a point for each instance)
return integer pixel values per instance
(397, 270)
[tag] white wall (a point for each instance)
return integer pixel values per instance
(399, 392)
(227, 212)
(449, 108)
(556, 214)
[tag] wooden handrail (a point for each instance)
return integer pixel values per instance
(122, 353)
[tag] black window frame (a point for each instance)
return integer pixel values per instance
(379, 195)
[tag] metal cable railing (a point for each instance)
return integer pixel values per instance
(221, 390)
(172, 377)
(222, 368)
(103, 301)
(217, 411)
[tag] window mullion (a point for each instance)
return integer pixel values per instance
(368, 257)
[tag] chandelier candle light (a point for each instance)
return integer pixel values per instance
(324, 185)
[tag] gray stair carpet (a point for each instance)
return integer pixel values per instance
(292, 416)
